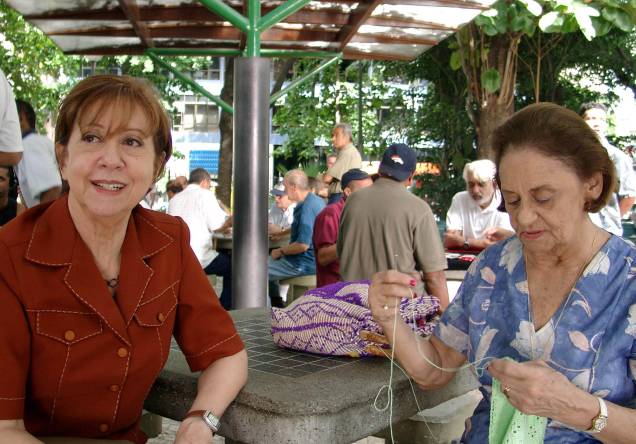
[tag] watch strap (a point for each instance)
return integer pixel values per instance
(208, 417)
(600, 421)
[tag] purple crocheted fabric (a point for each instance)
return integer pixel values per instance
(336, 320)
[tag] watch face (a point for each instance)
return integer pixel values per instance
(600, 423)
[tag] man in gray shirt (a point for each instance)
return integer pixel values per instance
(386, 227)
(348, 158)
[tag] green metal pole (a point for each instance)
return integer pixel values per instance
(300, 80)
(280, 13)
(194, 85)
(219, 52)
(253, 44)
(227, 12)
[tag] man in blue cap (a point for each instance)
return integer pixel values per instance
(386, 227)
(326, 228)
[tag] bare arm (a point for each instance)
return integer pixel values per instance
(626, 204)
(10, 159)
(435, 284)
(12, 431)
(326, 178)
(453, 239)
(326, 255)
(218, 385)
(289, 250)
(387, 288)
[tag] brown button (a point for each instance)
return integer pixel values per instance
(114, 388)
(122, 352)
(69, 335)
(161, 317)
(103, 428)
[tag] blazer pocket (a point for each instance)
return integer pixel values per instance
(156, 311)
(68, 327)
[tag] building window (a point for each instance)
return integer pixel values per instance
(212, 72)
(202, 117)
(90, 68)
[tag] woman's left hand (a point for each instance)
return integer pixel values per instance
(534, 388)
(193, 431)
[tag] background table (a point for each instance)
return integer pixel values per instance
(294, 397)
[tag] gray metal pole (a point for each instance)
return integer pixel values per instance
(251, 142)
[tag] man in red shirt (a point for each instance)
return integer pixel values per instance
(326, 226)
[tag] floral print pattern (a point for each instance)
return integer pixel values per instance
(591, 338)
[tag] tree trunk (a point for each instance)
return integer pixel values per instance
(479, 54)
(224, 190)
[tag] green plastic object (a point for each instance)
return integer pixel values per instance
(508, 425)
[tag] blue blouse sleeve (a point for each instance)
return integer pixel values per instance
(452, 327)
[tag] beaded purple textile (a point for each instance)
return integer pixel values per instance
(336, 320)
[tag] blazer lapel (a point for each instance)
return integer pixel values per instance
(136, 278)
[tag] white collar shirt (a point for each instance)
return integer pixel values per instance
(199, 209)
(467, 216)
(283, 219)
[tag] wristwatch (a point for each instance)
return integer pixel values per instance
(600, 421)
(208, 418)
(466, 245)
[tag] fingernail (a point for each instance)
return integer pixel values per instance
(412, 282)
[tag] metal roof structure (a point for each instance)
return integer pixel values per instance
(364, 29)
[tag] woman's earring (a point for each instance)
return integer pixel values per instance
(587, 206)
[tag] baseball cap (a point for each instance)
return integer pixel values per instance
(278, 190)
(353, 174)
(398, 161)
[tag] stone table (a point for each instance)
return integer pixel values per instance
(294, 397)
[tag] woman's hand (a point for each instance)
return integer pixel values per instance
(193, 431)
(385, 292)
(534, 388)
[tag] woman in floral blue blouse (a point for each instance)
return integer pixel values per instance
(559, 298)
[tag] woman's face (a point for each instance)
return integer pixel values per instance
(109, 163)
(545, 199)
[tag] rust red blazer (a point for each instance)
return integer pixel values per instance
(74, 361)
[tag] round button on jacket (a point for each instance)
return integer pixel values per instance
(69, 335)
(161, 317)
(103, 428)
(122, 352)
(114, 388)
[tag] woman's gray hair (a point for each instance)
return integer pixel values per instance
(298, 178)
(483, 170)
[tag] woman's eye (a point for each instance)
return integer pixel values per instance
(90, 138)
(131, 141)
(542, 200)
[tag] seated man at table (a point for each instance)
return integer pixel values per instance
(281, 214)
(296, 258)
(473, 221)
(198, 207)
(326, 228)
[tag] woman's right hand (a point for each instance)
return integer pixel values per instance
(386, 290)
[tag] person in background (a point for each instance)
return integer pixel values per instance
(473, 220)
(557, 301)
(621, 202)
(281, 213)
(9, 207)
(296, 258)
(38, 172)
(331, 159)
(385, 227)
(173, 187)
(93, 286)
(326, 227)
(10, 134)
(198, 207)
(348, 158)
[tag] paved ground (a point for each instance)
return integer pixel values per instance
(170, 429)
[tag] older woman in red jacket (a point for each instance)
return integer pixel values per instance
(93, 287)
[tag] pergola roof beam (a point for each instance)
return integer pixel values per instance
(131, 11)
(363, 11)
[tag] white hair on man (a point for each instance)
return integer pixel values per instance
(297, 177)
(345, 128)
(482, 170)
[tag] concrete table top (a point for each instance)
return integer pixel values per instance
(294, 397)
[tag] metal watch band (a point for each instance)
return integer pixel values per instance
(600, 421)
(208, 417)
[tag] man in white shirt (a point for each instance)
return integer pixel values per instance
(620, 203)
(38, 172)
(10, 138)
(198, 207)
(281, 213)
(473, 221)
